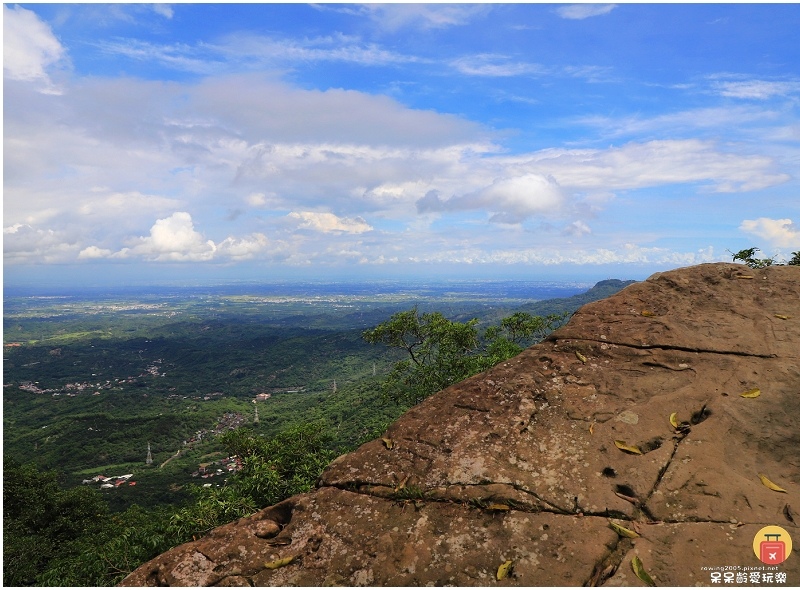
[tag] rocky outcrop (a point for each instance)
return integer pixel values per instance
(520, 464)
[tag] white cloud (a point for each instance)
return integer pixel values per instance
(23, 243)
(328, 222)
(510, 200)
(549, 255)
(116, 205)
(689, 121)
(164, 10)
(259, 49)
(94, 252)
(780, 233)
(393, 17)
(172, 239)
(195, 59)
(252, 52)
(757, 89)
(577, 229)
(492, 65)
(245, 248)
(581, 11)
(29, 47)
(654, 163)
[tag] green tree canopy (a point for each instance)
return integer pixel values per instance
(40, 520)
(748, 257)
(442, 352)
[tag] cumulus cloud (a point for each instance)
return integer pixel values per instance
(94, 252)
(328, 222)
(172, 239)
(24, 243)
(29, 47)
(243, 248)
(175, 239)
(780, 233)
(582, 11)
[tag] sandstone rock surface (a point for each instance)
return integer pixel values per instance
(520, 463)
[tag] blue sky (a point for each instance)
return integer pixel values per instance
(256, 141)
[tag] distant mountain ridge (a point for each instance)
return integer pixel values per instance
(557, 305)
(601, 290)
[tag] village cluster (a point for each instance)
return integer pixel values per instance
(114, 481)
(73, 389)
(216, 468)
(228, 421)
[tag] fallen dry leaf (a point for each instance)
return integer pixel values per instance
(622, 531)
(625, 447)
(770, 484)
(273, 565)
(638, 569)
(504, 570)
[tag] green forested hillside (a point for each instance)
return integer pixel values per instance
(88, 383)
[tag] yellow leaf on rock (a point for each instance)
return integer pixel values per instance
(638, 569)
(673, 419)
(752, 392)
(273, 565)
(388, 443)
(581, 358)
(622, 531)
(623, 446)
(648, 314)
(500, 507)
(770, 484)
(781, 316)
(504, 570)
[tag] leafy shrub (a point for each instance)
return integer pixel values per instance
(748, 257)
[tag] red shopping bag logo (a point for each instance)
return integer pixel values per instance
(772, 545)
